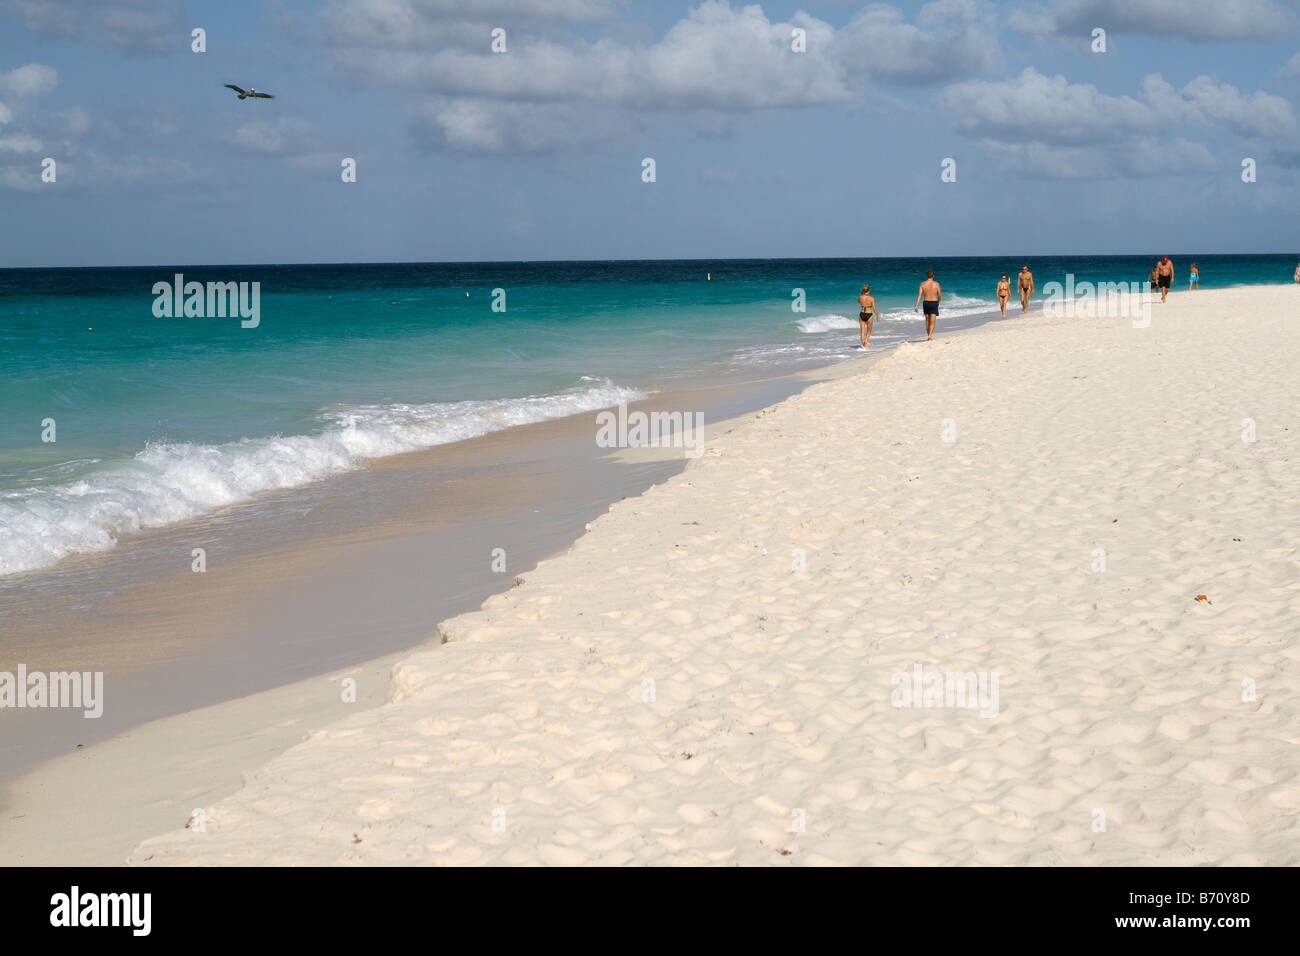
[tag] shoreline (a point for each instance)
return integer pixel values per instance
(135, 613)
(42, 804)
(50, 778)
(366, 557)
(313, 698)
(1120, 692)
(697, 376)
(93, 561)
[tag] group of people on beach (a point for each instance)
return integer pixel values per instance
(1024, 282)
(928, 295)
(1162, 277)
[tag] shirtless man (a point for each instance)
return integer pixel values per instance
(866, 315)
(1164, 276)
(1026, 283)
(1003, 292)
(931, 292)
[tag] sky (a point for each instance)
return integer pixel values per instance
(815, 129)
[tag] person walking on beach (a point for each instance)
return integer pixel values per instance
(1151, 278)
(866, 315)
(1026, 283)
(1004, 292)
(931, 292)
(1297, 273)
(1164, 276)
(1193, 278)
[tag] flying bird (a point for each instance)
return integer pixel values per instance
(245, 94)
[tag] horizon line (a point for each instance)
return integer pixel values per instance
(498, 262)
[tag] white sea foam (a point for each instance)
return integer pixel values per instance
(172, 481)
(826, 323)
(794, 356)
(953, 305)
(949, 305)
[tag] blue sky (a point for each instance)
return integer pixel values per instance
(536, 153)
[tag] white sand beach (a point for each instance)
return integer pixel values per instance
(708, 676)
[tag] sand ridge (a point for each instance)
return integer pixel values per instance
(710, 675)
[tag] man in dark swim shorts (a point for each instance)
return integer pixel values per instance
(932, 293)
(1164, 276)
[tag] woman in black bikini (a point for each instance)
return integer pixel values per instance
(866, 315)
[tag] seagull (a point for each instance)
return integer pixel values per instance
(244, 94)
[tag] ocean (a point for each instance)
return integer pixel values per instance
(159, 419)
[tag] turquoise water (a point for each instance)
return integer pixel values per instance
(160, 419)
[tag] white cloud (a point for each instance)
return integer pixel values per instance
(484, 125)
(418, 23)
(716, 57)
(1047, 126)
(26, 131)
(30, 80)
(1191, 19)
(546, 92)
(133, 25)
(1257, 114)
(1050, 109)
(26, 135)
(20, 143)
(21, 178)
(1047, 109)
(951, 38)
